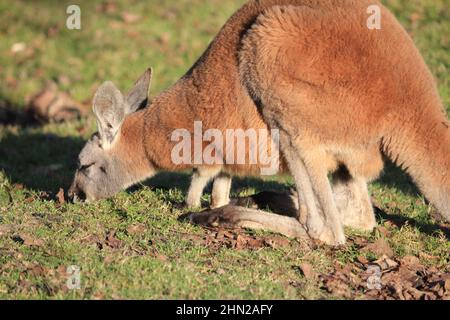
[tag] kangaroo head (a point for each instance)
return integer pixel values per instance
(112, 159)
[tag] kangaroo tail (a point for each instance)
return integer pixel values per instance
(233, 216)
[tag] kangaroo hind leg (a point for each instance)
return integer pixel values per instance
(353, 201)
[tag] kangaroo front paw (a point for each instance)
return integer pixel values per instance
(192, 203)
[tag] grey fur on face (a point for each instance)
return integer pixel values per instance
(100, 173)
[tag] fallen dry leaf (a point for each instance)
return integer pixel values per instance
(28, 240)
(307, 271)
(380, 247)
(338, 287)
(136, 229)
(412, 262)
(130, 18)
(447, 283)
(112, 242)
(107, 7)
(385, 263)
(53, 31)
(363, 260)
(93, 239)
(404, 279)
(384, 231)
(38, 270)
(161, 257)
(6, 229)
(52, 105)
(415, 17)
(248, 242)
(60, 196)
(276, 242)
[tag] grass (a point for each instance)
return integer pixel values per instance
(40, 238)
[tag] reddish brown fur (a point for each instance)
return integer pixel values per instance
(312, 68)
(133, 155)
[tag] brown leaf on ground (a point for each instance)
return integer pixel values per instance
(18, 186)
(11, 82)
(60, 196)
(52, 105)
(276, 242)
(93, 239)
(112, 242)
(136, 229)
(415, 17)
(338, 286)
(411, 262)
(235, 239)
(363, 260)
(197, 239)
(6, 229)
(221, 271)
(108, 7)
(28, 240)
(307, 271)
(387, 278)
(248, 242)
(385, 263)
(64, 80)
(38, 270)
(53, 31)
(384, 231)
(426, 256)
(359, 241)
(380, 247)
(99, 296)
(130, 18)
(161, 257)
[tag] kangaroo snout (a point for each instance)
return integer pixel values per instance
(75, 194)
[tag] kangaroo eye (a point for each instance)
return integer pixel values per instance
(85, 167)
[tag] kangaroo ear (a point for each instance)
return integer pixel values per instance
(137, 97)
(109, 108)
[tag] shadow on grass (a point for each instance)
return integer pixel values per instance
(10, 115)
(182, 180)
(394, 177)
(400, 221)
(41, 162)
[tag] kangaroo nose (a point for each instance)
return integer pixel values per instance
(76, 194)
